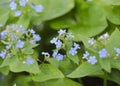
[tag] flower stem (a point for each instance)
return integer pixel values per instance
(105, 79)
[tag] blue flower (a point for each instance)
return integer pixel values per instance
(29, 61)
(20, 44)
(8, 47)
(117, 51)
(58, 44)
(57, 55)
(23, 3)
(61, 32)
(13, 5)
(103, 53)
(38, 8)
(73, 51)
(3, 34)
(36, 37)
(76, 46)
(85, 55)
(91, 41)
(17, 13)
(2, 54)
(31, 31)
(92, 60)
(54, 40)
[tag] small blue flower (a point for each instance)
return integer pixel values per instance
(85, 55)
(8, 47)
(91, 41)
(2, 54)
(76, 46)
(92, 60)
(29, 61)
(17, 13)
(13, 5)
(58, 44)
(59, 56)
(31, 31)
(61, 32)
(20, 44)
(23, 3)
(103, 53)
(54, 40)
(3, 34)
(117, 51)
(55, 53)
(73, 51)
(36, 37)
(38, 8)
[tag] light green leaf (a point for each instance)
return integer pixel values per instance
(54, 8)
(24, 21)
(19, 66)
(48, 72)
(114, 42)
(74, 58)
(4, 15)
(63, 22)
(115, 76)
(59, 82)
(4, 70)
(105, 64)
(115, 63)
(90, 21)
(86, 69)
(111, 2)
(24, 79)
(113, 14)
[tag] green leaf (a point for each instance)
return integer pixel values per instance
(19, 66)
(105, 64)
(48, 72)
(111, 2)
(86, 69)
(115, 76)
(54, 8)
(59, 82)
(4, 70)
(115, 63)
(4, 15)
(114, 42)
(74, 58)
(88, 25)
(113, 14)
(24, 21)
(27, 51)
(24, 79)
(63, 22)
(54, 62)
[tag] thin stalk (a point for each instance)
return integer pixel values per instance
(105, 79)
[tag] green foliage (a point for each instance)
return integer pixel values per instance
(22, 62)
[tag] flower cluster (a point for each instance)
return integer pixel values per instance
(15, 39)
(59, 42)
(17, 7)
(90, 59)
